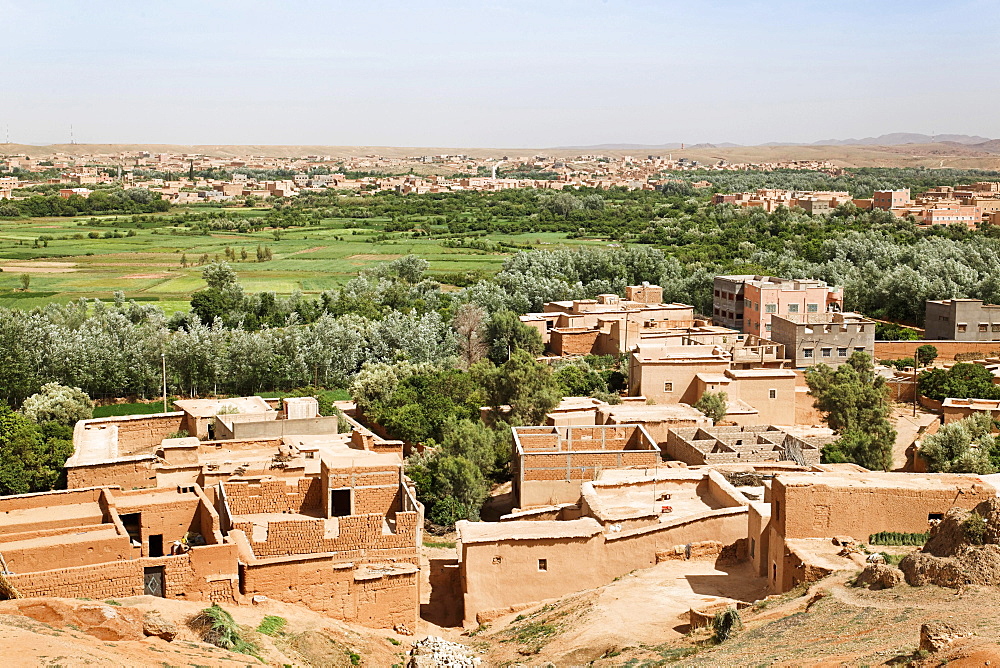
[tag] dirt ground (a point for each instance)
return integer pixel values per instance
(907, 426)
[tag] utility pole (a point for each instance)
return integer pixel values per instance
(163, 359)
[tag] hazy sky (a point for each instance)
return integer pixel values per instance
(533, 73)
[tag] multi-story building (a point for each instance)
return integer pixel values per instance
(962, 320)
(747, 302)
(828, 338)
(892, 199)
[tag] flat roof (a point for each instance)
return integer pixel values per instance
(211, 407)
(489, 532)
(651, 413)
(883, 480)
(760, 373)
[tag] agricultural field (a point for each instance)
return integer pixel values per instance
(150, 265)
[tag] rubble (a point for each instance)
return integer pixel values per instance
(937, 636)
(879, 576)
(435, 652)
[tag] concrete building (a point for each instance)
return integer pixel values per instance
(756, 396)
(958, 409)
(962, 320)
(747, 302)
(828, 338)
(892, 199)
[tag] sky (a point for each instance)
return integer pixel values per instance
(480, 73)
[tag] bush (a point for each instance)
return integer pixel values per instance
(898, 538)
(974, 528)
(217, 627)
(58, 403)
(725, 623)
(271, 625)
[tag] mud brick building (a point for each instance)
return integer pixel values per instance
(286, 505)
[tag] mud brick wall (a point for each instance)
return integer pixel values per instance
(376, 490)
(582, 465)
(360, 534)
(274, 496)
(112, 580)
(563, 343)
(321, 585)
(128, 475)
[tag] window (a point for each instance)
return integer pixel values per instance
(859, 349)
(497, 561)
(772, 394)
(668, 387)
(340, 502)
(768, 327)
(812, 308)
(841, 352)
(961, 328)
(747, 303)
(827, 352)
(543, 564)
(996, 328)
(982, 327)
(770, 308)
(716, 293)
(807, 352)
(793, 308)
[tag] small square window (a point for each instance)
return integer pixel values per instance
(770, 308)
(996, 328)
(827, 352)
(768, 327)
(772, 394)
(812, 308)
(497, 561)
(982, 327)
(961, 328)
(793, 308)
(668, 387)
(543, 564)
(841, 352)
(859, 349)
(807, 352)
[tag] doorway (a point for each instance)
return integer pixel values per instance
(340, 502)
(152, 581)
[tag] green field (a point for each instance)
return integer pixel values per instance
(147, 267)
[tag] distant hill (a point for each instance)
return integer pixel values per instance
(893, 139)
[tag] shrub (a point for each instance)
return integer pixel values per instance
(898, 538)
(217, 627)
(974, 528)
(271, 625)
(725, 623)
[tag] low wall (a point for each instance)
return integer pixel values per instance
(276, 428)
(128, 473)
(893, 350)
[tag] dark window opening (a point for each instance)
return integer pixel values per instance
(543, 564)
(934, 516)
(340, 502)
(133, 527)
(156, 545)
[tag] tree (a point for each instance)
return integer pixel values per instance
(962, 381)
(58, 403)
(31, 455)
(522, 383)
(964, 446)
(25, 281)
(714, 405)
(506, 334)
(926, 354)
(219, 276)
(857, 407)
(469, 324)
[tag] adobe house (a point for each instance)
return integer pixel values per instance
(549, 464)
(791, 542)
(619, 526)
(104, 542)
(735, 445)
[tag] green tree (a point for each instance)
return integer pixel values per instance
(857, 407)
(926, 354)
(964, 446)
(522, 383)
(506, 334)
(31, 455)
(714, 405)
(25, 281)
(58, 403)
(962, 381)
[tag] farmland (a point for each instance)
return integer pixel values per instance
(68, 264)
